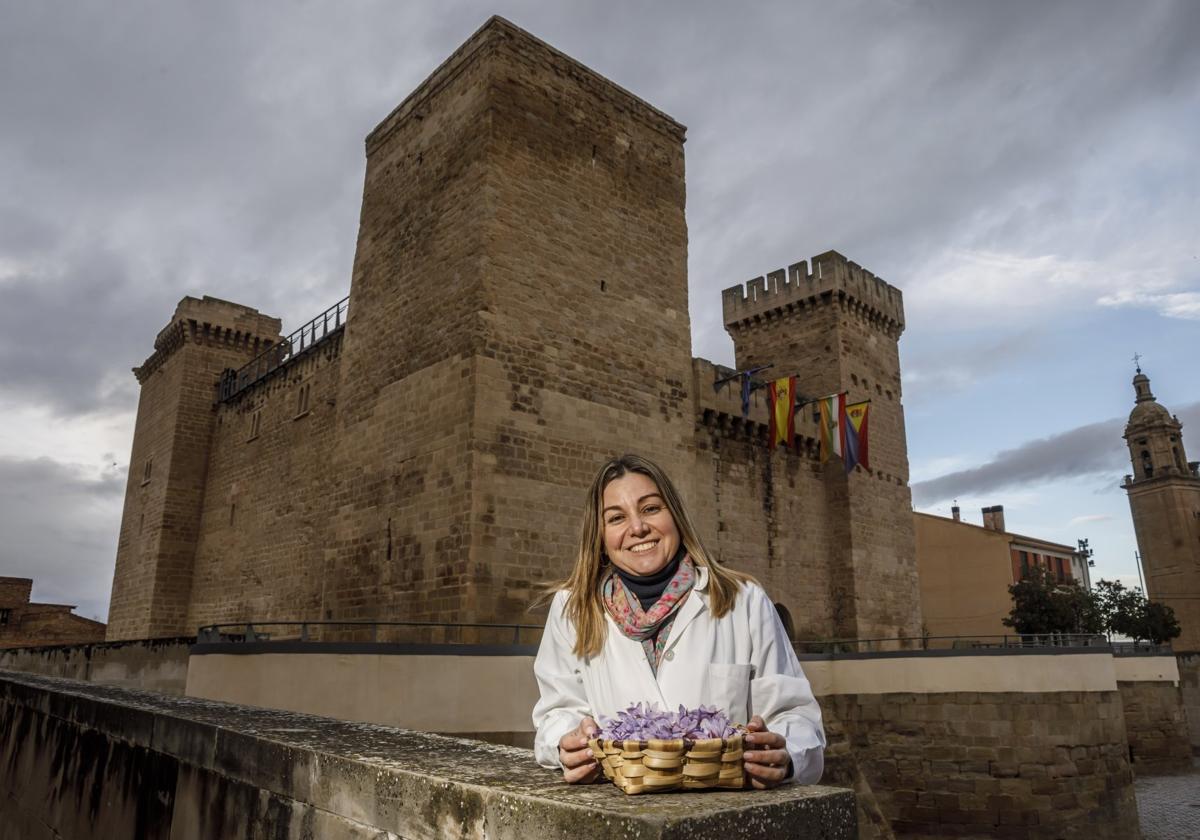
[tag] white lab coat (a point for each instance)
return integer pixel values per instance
(742, 663)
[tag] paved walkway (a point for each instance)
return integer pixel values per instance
(1169, 806)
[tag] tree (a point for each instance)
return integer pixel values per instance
(1128, 613)
(1042, 605)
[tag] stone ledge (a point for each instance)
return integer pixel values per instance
(404, 783)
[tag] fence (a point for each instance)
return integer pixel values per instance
(324, 326)
(917, 644)
(392, 632)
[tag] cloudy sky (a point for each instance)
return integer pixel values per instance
(1026, 172)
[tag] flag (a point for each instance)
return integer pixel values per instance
(746, 393)
(833, 421)
(854, 436)
(782, 393)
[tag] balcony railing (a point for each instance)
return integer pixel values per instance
(918, 644)
(323, 327)
(390, 632)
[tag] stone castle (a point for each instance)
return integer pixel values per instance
(518, 312)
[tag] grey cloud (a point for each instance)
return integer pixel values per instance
(217, 148)
(60, 528)
(1092, 449)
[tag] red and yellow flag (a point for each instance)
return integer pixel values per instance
(782, 393)
(854, 447)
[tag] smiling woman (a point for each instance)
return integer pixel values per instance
(648, 616)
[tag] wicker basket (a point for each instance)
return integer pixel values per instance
(680, 764)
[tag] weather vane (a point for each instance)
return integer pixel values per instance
(1137, 360)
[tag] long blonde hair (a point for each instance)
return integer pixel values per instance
(584, 607)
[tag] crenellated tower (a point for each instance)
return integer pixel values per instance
(836, 327)
(169, 462)
(1164, 499)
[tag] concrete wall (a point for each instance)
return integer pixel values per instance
(482, 696)
(150, 664)
(88, 762)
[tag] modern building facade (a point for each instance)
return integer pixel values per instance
(965, 571)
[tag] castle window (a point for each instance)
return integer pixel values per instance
(255, 424)
(4, 616)
(147, 468)
(302, 400)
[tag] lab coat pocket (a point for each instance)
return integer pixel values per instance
(728, 688)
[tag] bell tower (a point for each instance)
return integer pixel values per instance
(1164, 498)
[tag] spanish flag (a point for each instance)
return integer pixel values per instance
(833, 424)
(854, 449)
(782, 393)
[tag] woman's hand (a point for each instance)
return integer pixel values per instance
(579, 766)
(766, 758)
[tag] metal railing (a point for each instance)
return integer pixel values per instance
(392, 632)
(917, 644)
(1141, 649)
(325, 325)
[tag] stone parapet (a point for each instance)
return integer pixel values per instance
(214, 322)
(832, 278)
(152, 664)
(88, 761)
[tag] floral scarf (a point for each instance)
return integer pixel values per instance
(651, 627)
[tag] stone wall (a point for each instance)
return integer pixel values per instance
(970, 764)
(265, 517)
(1189, 689)
(84, 761)
(150, 664)
(1156, 727)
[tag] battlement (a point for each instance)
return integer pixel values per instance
(833, 277)
(211, 321)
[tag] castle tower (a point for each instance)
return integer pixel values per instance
(1164, 498)
(169, 461)
(837, 329)
(520, 313)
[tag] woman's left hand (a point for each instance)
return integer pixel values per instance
(766, 757)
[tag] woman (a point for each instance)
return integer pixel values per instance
(648, 615)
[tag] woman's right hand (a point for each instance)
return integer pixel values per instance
(579, 766)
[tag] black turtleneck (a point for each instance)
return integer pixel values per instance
(649, 588)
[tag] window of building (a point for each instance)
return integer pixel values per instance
(147, 469)
(4, 616)
(1147, 464)
(1062, 575)
(255, 424)
(1024, 564)
(302, 400)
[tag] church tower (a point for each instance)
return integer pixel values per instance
(1164, 498)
